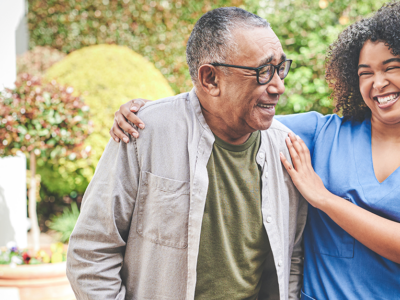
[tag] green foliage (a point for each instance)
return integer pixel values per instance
(159, 29)
(107, 76)
(38, 60)
(306, 28)
(45, 118)
(65, 223)
(156, 29)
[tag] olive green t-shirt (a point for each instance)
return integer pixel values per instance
(233, 241)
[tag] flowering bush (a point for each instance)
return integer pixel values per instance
(38, 60)
(12, 256)
(46, 119)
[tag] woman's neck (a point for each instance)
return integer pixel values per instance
(385, 132)
(385, 148)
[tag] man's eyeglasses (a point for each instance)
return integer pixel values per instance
(265, 73)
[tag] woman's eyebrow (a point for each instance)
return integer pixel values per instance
(363, 66)
(391, 60)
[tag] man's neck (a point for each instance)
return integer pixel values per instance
(222, 130)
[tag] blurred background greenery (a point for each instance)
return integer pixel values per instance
(158, 30)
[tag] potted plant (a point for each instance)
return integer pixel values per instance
(37, 275)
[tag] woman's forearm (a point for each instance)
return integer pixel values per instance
(377, 233)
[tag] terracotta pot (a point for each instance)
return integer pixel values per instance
(37, 282)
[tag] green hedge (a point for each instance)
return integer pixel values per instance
(156, 29)
(106, 76)
(159, 29)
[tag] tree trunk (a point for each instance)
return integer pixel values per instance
(32, 204)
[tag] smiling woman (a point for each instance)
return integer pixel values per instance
(354, 190)
(379, 75)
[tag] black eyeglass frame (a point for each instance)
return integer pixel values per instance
(276, 68)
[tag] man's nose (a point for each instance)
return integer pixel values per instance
(276, 85)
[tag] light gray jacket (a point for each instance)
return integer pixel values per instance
(139, 230)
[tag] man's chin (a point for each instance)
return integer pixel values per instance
(264, 125)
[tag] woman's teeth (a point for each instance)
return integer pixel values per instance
(384, 100)
(265, 105)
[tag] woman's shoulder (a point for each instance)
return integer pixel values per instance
(309, 126)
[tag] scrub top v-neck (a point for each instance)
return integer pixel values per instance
(336, 265)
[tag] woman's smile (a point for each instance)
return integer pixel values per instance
(387, 100)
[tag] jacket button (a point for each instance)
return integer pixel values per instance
(266, 174)
(261, 155)
(280, 263)
(269, 219)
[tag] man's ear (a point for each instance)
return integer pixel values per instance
(209, 80)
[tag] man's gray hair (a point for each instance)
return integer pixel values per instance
(211, 40)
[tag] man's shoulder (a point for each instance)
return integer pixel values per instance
(278, 129)
(277, 133)
(163, 107)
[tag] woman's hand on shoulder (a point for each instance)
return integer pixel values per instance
(302, 173)
(127, 112)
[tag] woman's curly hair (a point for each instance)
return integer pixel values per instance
(343, 55)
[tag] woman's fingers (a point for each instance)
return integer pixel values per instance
(116, 131)
(288, 166)
(295, 139)
(114, 137)
(306, 151)
(129, 109)
(137, 104)
(126, 112)
(293, 154)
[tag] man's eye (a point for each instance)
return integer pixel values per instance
(265, 71)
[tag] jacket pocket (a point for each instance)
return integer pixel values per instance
(304, 296)
(163, 210)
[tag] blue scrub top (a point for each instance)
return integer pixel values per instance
(336, 265)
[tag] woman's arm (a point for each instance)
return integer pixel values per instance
(126, 112)
(378, 234)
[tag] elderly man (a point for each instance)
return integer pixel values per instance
(199, 207)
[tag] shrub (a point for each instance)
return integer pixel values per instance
(159, 29)
(156, 29)
(45, 120)
(64, 224)
(38, 60)
(107, 75)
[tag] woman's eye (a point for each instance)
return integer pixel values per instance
(392, 68)
(364, 74)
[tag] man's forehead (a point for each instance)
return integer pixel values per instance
(261, 44)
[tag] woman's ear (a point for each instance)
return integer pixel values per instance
(208, 78)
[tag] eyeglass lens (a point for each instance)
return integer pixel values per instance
(266, 73)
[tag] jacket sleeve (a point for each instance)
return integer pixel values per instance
(297, 260)
(97, 244)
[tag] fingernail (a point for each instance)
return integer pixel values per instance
(298, 137)
(280, 154)
(134, 108)
(135, 135)
(126, 140)
(141, 126)
(117, 140)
